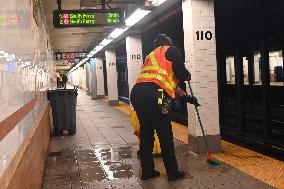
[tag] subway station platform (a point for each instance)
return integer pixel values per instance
(103, 155)
(234, 51)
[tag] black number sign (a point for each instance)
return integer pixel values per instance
(201, 35)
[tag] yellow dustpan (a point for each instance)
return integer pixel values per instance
(136, 126)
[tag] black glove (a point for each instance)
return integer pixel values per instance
(192, 100)
(188, 77)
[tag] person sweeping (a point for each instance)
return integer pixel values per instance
(151, 97)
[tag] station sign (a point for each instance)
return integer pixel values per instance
(8, 20)
(88, 18)
(11, 19)
(70, 55)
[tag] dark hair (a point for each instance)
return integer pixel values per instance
(162, 40)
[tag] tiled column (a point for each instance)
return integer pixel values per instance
(84, 87)
(80, 77)
(76, 77)
(87, 68)
(200, 59)
(111, 77)
(100, 77)
(94, 92)
(90, 79)
(134, 58)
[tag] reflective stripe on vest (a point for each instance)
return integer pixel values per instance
(155, 65)
(154, 68)
(171, 87)
(154, 72)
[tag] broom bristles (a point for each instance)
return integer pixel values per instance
(212, 160)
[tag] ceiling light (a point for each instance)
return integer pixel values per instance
(130, 21)
(105, 42)
(98, 48)
(154, 2)
(161, 2)
(92, 53)
(136, 17)
(117, 32)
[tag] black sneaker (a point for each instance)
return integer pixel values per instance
(178, 175)
(153, 174)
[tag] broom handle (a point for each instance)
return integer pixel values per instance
(199, 119)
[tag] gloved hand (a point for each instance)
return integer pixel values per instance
(188, 77)
(192, 100)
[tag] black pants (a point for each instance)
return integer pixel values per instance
(144, 100)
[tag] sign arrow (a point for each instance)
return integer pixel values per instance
(58, 56)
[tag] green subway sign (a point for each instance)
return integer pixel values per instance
(88, 18)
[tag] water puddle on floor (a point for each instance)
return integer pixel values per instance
(118, 170)
(89, 168)
(113, 164)
(125, 152)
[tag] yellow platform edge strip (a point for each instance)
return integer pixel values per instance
(264, 168)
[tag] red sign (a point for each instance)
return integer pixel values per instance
(70, 55)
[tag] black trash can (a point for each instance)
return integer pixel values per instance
(63, 103)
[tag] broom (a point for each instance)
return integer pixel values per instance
(210, 158)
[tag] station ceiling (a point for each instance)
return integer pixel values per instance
(80, 39)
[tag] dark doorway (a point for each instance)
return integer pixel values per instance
(250, 43)
(105, 76)
(171, 24)
(122, 73)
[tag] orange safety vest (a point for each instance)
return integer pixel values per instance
(157, 69)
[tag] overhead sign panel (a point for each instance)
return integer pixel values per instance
(70, 55)
(88, 18)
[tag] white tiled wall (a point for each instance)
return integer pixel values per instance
(90, 78)
(94, 78)
(134, 58)
(26, 69)
(100, 75)
(200, 59)
(87, 69)
(111, 74)
(84, 78)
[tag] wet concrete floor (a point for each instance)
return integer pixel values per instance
(102, 155)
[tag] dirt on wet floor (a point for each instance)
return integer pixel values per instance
(102, 155)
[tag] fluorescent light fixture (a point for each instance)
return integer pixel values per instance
(105, 42)
(117, 32)
(6, 55)
(92, 53)
(136, 17)
(155, 2)
(161, 2)
(98, 48)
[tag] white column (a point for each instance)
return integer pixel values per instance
(94, 92)
(87, 69)
(90, 79)
(76, 77)
(84, 84)
(111, 77)
(100, 77)
(200, 59)
(80, 77)
(134, 58)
